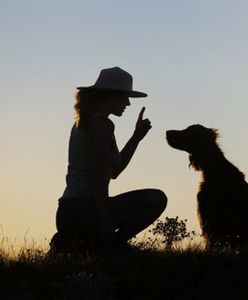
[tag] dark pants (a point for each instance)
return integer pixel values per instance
(131, 212)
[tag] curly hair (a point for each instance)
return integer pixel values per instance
(86, 105)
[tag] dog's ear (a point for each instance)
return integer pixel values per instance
(194, 162)
(204, 145)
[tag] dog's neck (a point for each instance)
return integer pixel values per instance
(206, 159)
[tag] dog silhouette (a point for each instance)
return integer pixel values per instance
(222, 199)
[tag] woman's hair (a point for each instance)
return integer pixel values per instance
(86, 105)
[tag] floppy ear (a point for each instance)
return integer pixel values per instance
(194, 162)
(196, 159)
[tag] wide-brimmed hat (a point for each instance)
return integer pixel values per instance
(114, 80)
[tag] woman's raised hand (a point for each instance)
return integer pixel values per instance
(142, 126)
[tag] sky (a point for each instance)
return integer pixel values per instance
(190, 56)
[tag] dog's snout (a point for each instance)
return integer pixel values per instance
(176, 139)
(170, 134)
(170, 137)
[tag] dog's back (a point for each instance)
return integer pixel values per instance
(223, 207)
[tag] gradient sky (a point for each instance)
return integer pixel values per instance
(190, 56)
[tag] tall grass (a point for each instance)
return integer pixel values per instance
(143, 272)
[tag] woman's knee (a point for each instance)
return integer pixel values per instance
(159, 199)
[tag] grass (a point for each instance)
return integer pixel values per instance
(144, 272)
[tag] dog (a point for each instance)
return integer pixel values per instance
(222, 199)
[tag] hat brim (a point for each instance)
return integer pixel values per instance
(131, 94)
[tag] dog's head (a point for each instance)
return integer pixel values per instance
(195, 139)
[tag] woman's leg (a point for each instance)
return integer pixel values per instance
(77, 225)
(135, 210)
(78, 217)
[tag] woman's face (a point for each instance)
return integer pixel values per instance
(117, 104)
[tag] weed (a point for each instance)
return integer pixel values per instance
(172, 231)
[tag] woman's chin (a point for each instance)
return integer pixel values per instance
(118, 113)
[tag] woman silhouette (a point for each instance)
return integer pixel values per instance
(86, 212)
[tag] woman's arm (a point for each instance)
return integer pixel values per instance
(101, 135)
(141, 129)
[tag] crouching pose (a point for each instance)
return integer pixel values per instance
(86, 213)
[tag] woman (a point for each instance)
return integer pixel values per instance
(86, 212)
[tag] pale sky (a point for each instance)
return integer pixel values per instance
(190, 56)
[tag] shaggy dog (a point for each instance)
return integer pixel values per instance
(223, 193)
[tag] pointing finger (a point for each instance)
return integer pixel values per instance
(141, 113)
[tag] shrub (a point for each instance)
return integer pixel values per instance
(172, 230)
